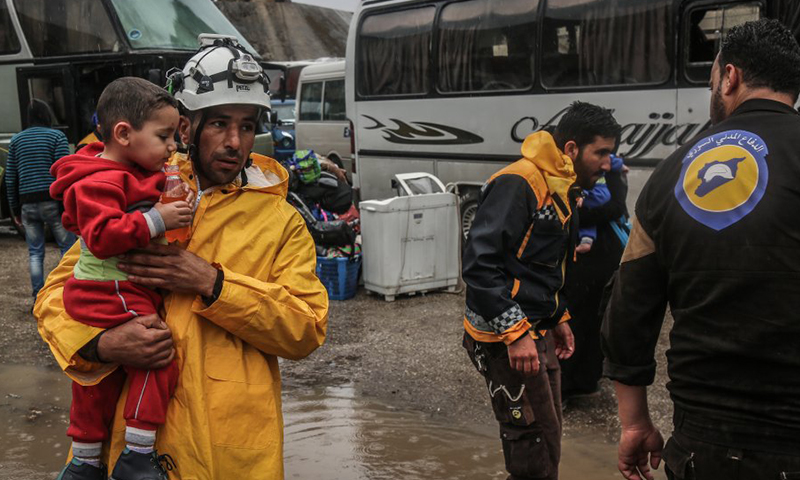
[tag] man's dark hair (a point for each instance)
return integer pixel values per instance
(39, 114)
(767, 53)
(132, 100)
(582, 122)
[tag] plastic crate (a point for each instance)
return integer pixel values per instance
(339, 275)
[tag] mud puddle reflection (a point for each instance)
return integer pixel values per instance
(331, 434)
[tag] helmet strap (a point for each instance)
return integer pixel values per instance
(194, 147)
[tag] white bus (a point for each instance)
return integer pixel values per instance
(452, 87)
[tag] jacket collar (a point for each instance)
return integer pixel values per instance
(763, 105)
(264, 175)
(540, 149)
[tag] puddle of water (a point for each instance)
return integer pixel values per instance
(330, 433)
(34, 415)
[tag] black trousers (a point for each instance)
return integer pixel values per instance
(527, 408)
(586, 280)
(690, 459)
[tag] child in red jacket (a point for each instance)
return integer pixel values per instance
(111, 199)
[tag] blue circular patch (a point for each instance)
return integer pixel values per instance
(723, 178)
(135, 34)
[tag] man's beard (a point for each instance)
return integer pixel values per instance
(717, 107)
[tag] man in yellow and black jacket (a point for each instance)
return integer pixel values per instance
(515, 263)
(716, 238)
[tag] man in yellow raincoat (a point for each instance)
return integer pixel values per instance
(241, 293)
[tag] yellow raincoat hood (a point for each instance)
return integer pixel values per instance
(224, 420)
(556, 167)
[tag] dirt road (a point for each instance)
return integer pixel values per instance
(406, 354)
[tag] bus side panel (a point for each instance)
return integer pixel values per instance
(470, 131)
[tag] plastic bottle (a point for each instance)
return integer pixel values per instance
(175, 189)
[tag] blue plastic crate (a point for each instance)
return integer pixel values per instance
(339, 275)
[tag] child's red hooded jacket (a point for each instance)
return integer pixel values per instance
(104, 201)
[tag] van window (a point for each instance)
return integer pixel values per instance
(588, 43)
(334, 101)
(311, 101)
(9, 43)
(173, 24)
(62, 27)
(705, 29)
(394, 52)
(486, 45)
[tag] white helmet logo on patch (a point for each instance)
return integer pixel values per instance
(718, 170)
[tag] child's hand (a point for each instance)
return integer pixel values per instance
(176, 214)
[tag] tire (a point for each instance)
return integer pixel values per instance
(335, 159)
(469, 207)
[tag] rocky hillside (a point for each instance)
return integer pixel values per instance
(288, 31)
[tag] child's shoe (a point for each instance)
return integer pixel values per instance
(78, 470)
(141, 466)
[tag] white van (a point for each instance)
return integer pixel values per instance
(321, 124)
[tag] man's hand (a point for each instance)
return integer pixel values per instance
(565, 341)
(18, 220)
(523, 356)
(171, 268)
(636, 444)
(144, 342)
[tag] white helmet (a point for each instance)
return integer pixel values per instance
(222, 72)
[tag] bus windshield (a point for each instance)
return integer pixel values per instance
(172, 24)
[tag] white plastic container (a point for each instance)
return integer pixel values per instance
(410, 244)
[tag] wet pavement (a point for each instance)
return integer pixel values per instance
(332, 433)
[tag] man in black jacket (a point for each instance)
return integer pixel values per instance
(514, 265)
(716, 237)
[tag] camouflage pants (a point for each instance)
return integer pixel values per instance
(527, 408)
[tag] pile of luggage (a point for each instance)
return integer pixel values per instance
(325, 200)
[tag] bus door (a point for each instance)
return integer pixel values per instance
(53, 84)
(703, 27)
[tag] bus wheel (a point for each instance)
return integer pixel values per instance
(469, 207)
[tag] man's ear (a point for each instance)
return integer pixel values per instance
(121, 133)
(731, 80)
(184, 127)
(571, 149)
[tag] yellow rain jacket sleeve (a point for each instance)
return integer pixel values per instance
(64, 335)
(224, 420)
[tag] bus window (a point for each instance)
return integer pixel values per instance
(588, 43)
(311, 101)
(334, 101)
(394, 52)
(486, 45)
(9, 43)
(62, 27)
(50, 89)
(705, 29)
(172, 23)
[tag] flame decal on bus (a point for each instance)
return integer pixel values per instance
(423, 133)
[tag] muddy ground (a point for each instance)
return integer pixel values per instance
(406, 353)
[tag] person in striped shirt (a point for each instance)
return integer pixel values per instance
(31, 153)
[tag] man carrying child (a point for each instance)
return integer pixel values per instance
(241, 293)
